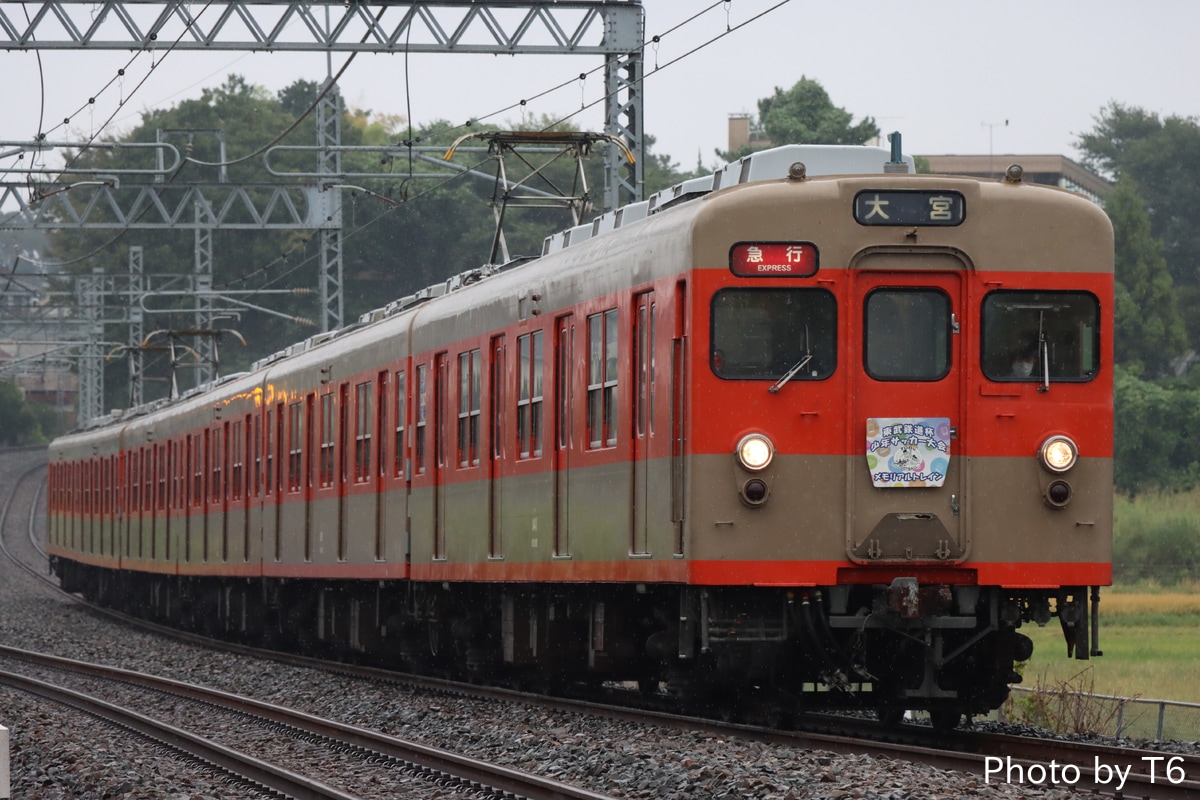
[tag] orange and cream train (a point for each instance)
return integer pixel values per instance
(813, 430)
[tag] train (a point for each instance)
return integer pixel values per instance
(814, 431)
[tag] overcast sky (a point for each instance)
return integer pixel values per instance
(948, 74)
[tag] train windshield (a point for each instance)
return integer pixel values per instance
(1039, 336)
(763, 334)
(907, 334)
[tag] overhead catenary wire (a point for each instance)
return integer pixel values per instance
(728, 30)
(405, 199)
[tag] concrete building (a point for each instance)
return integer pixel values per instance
(1057, 171)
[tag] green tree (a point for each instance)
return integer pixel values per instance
(1149, 331)
(1162, 157)
(18, 421)
(805, 114)
(400, 233)
(1154, 435)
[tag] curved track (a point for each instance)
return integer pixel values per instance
(108, 696)
(310, 740)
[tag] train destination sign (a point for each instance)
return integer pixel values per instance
(909, 208)
(774, 259)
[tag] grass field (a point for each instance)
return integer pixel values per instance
(1149, 628)
(1151, 645)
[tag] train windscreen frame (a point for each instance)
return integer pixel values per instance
(1024, 331)
(764, 333)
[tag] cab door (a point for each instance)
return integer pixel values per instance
(908, 402)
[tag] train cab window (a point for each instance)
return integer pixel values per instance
(1035, 335)
(907, 335)
(763, 334)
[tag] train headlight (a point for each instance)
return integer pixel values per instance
(1058, 454)
(755, 451)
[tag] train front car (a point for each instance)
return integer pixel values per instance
(901, 428)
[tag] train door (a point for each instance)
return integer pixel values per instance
(231, 533)
(308, 458)
(344, 443)
(440, 411)
(210, 462)
(497, 430)
(381, 465)
(564, 426)
(276, 466)
(678, 412)
(244, 469)
(221, 485)
(643, 419)
(106, 530)
(907, 395)
(252, 546)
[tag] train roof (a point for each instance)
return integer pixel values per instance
(772, 164)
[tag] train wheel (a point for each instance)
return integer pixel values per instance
(648, 685)
(944, 720)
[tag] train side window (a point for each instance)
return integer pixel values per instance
(1029, 335)
(362, 432)
(422, 415)
(468, 407)
(237, 462)
(148, 479)
(177, 478)
(529, 395)
(602, 379)
(269, 445)
(762, 334)
(295, 446)
(161, 501)
(325, 470)
(135, 483)
(218, 463)
(907, 335)
(254, 431)
(401, 395)
(381, 409)
(191, 476)
(497, 375)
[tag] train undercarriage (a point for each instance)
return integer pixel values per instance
(728, 651)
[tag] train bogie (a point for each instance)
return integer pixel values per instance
(827, 437)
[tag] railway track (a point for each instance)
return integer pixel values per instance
(190, 720)
(301, 744)
(997, 759)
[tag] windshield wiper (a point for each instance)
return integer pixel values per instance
(791, 373)
(1043, 353)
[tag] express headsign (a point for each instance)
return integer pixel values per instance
(773, 259)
